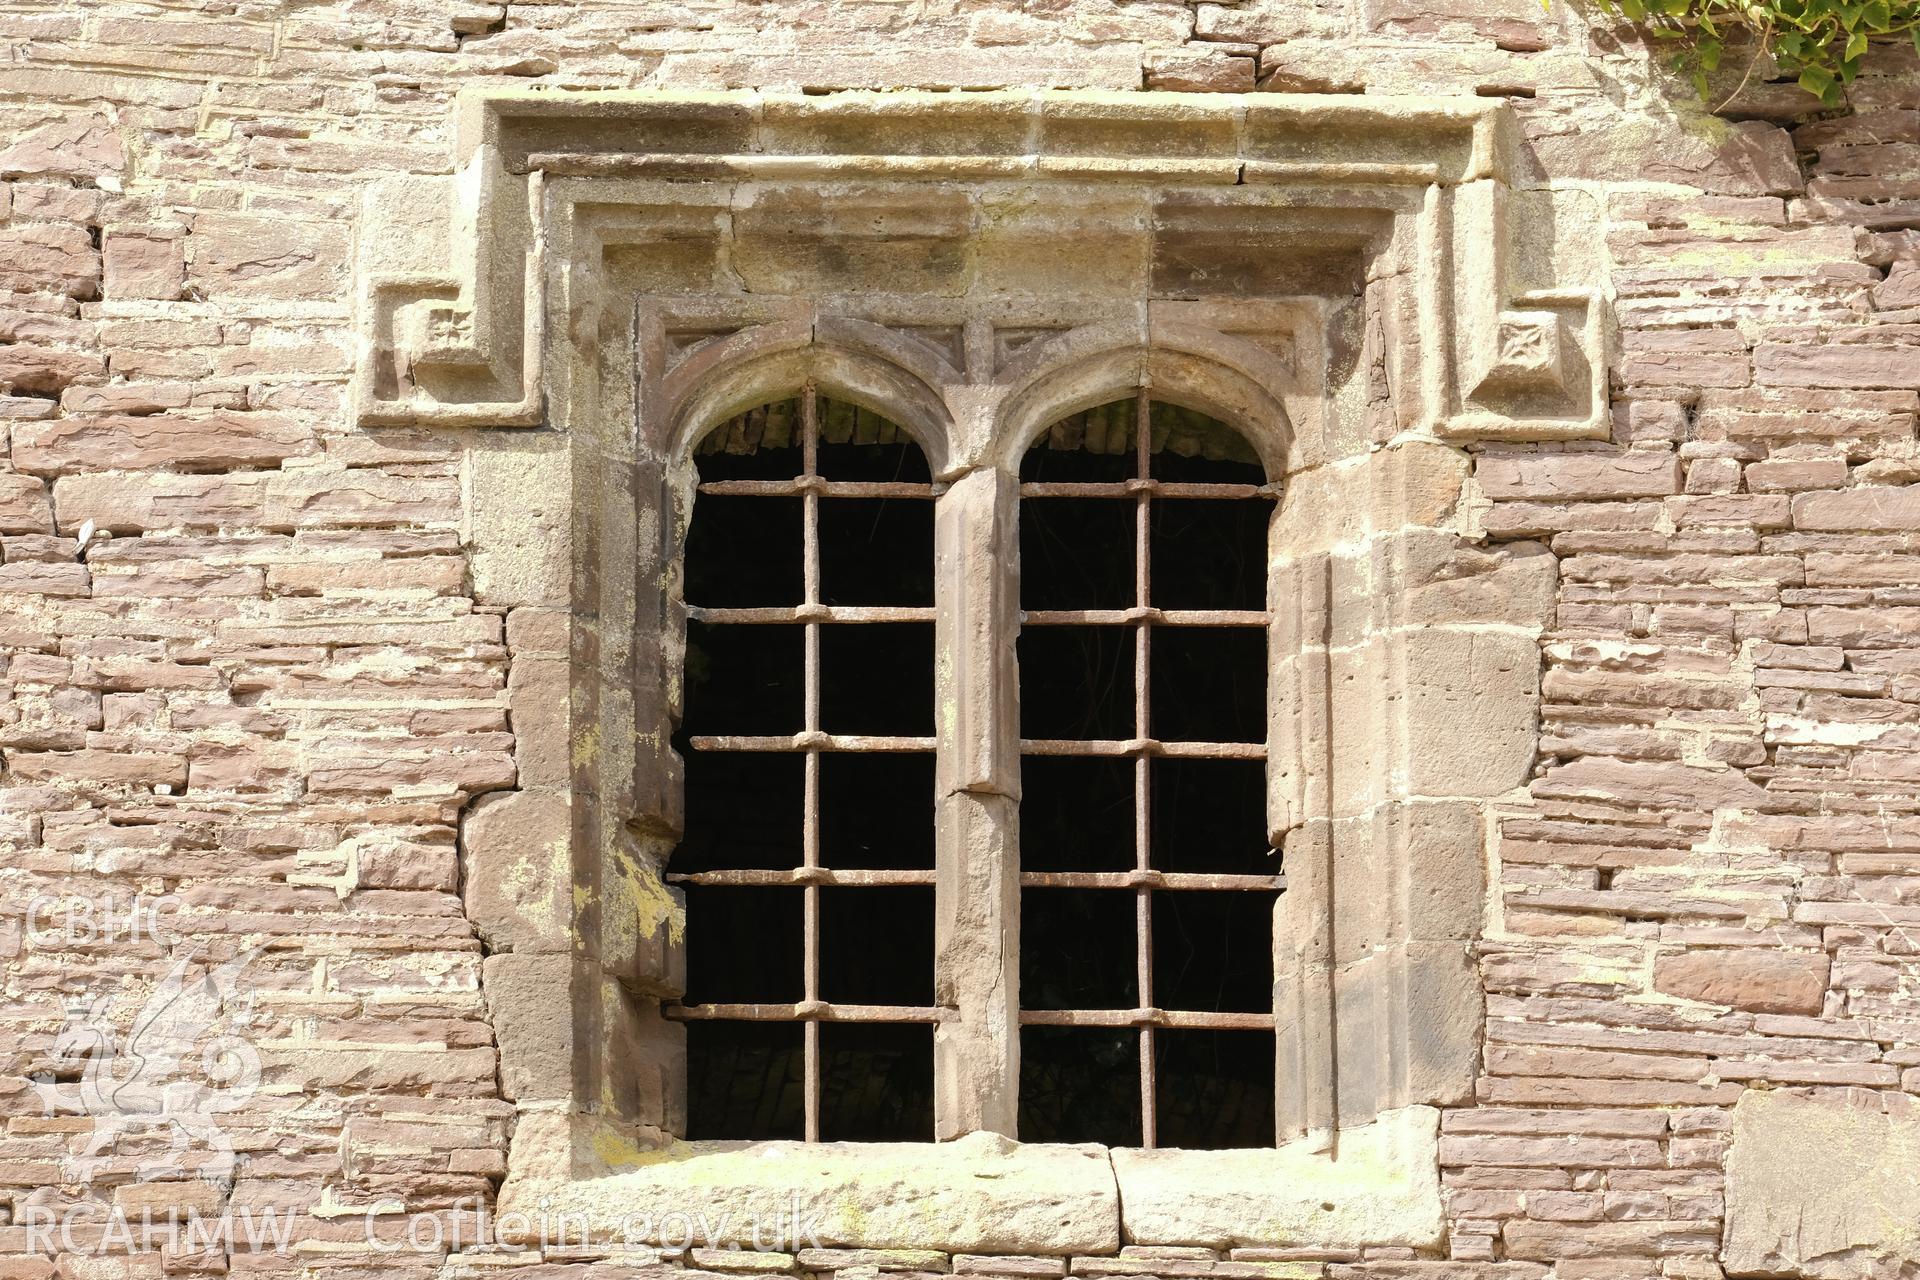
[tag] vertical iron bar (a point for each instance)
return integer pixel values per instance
(810, 839)
(1143, 764)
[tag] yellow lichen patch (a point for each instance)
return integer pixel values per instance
(586, 745)
(620, 1153)
(638, 895)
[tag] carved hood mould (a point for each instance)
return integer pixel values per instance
(1412, 195)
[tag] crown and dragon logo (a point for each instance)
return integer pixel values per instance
(157, 1093)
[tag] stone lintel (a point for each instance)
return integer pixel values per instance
(995, 134)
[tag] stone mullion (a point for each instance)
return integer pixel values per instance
(977, 876)
(1299, 784)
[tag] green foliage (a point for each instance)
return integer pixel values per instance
(1819, 41)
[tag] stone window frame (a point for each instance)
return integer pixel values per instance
(1388, 622)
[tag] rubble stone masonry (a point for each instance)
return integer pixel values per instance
(252, 681)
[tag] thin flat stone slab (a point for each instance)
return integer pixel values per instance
(1821, 1187)
(979, 1194)
(1379, 1186)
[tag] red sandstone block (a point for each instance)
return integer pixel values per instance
(1746, 979)
(43, 371)
(1554, 476)
(1687, 358)
(1556, 1242)
(142, 263)
(1870, 508)
(56, 257)
(38, 579)
(103, 768)
(1511, 1060)
(1743, 510)
(23, 504)
(80, 146)
(1531, 519)
(1846, 366)
(215, 441)
(1553, 1153)
(242, 255)
(1597, 1122)
(1780, 475)
(1864, 628)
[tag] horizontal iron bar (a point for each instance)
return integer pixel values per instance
(800, 485)
(1153, 488)
(1126, 747)
(814, 613)
(811, 742)
(754, 876)
(806, 1011)
(1149, 614)
(1175, 1019)
(1173, 881)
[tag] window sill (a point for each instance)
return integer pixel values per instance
(980, 1194)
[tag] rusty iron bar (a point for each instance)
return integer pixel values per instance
(813, 742)
(1144, 489)
(1145, 748)
(814, 486)
(1152, 879)
(862, 878)
(811, 1012)
(1146, 614)
(810, 840)
(829, 613)
(1146, 1019)
(756, 877)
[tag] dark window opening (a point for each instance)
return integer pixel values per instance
(807, 859)
(1147, 884)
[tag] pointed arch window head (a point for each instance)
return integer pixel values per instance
(1142, 884)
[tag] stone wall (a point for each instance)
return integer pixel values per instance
(249, 672)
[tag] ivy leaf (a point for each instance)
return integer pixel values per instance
(1709, 56)
(1856, 45)
(1817, 81)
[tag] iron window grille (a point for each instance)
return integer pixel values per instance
(819, 740)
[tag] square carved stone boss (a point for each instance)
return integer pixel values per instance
(1351, 282)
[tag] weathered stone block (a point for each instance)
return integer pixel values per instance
(977, 1194)
(1824, 1187)
(1871, 508)
(1762, 981)
(531, 1002)
(79, 146)
(1381, 1187)
(53, 256)
(243, 255)
(518, 873)
(188, 442)
(1557, 476)
(144, 264)
(23, 505)
(1475, 691)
